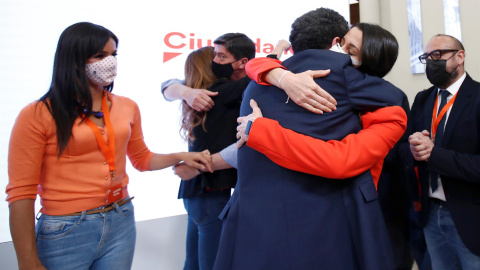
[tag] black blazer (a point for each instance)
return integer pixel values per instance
(457, 160)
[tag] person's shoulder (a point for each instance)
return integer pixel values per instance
(122, 100)
(35, 113)
(314, 59)
(219, 83)
(224, 83)
(119, 98)
(36, 108)
(246, 79)
(344, 59)
(244, 82)
(469, 80)
(423, 95)
(426, 91)
(34, 104)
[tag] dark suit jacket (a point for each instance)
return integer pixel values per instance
(283, 219)
(457, 160)
(392, 185)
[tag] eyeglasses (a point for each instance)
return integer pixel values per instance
(435, 55)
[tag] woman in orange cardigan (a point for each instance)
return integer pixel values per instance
(70, 148)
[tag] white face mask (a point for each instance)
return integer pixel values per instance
(102, 72)
(338, 49)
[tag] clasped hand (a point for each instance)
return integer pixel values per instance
(199, 160)
(421, 145)
(193, 163)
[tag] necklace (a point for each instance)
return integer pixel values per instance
(95, 113)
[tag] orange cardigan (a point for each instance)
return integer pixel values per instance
(349, 157)
(257, 67)
(77, 180)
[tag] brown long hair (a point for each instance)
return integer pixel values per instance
(198, 75)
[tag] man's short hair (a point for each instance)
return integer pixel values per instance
(316, 29)
(238, 44)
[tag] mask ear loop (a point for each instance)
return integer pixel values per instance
(337, 48)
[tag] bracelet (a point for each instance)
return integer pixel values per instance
(281, 77)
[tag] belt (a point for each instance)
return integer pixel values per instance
(102, 210)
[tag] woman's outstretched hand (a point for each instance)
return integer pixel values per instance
(199, 160)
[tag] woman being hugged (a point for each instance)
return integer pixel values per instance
(70, 148)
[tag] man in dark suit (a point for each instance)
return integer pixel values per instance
(284, 219)
(445, 142)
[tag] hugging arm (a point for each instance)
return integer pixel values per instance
(301, 87)
(198, 99)
(349, 157)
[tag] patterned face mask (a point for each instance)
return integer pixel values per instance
(102, 72)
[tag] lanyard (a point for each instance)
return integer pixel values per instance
(107, 151)
(436, 119)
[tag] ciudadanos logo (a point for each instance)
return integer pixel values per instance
(178, 43)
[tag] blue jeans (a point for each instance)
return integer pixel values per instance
(445, 247)
(418, 243)
(204, 229)
(96, 241)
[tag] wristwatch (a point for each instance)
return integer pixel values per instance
(249, 125)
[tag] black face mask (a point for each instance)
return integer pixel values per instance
(222, 71)
(437, 73)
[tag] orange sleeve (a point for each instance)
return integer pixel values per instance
(353, 155)
(25, 153)
(137, 151)
(256, 67)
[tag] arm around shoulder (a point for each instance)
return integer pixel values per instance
(257, 67)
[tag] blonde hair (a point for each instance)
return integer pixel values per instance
(198, 75)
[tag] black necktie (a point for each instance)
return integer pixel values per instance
(439, 134)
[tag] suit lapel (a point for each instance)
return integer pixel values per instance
(461, 102)
(429, 109)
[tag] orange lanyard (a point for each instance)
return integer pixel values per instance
(107, 151)
(436, 119)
